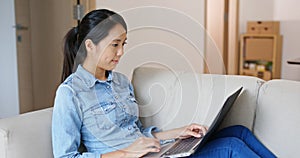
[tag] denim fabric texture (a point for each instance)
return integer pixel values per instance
(234, 142)
(103, 115)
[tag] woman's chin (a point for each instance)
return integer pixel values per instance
(111, 67)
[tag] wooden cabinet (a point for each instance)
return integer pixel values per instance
(260, 55)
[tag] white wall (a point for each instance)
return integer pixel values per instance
(9, 99)
(255, 10)
(169, 33)
(287, 12)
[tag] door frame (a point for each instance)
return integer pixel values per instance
(222, 27)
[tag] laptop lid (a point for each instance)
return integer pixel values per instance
(220, 116)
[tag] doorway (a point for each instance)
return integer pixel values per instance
(40, 29)
(24, 57)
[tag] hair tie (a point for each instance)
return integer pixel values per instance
(76, 29)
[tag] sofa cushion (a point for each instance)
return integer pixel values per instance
(277, 117)
(26, 135)
(170, 99)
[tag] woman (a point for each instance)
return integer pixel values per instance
(96, 106)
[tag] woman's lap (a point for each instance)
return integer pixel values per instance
(225, 148)
(234, 141)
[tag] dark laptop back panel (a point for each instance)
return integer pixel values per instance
(220, 116)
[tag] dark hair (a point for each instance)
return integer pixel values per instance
(94, 26)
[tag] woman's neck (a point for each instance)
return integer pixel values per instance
(97, 72)
(100, 74)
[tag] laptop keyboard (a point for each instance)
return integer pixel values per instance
(182, 146)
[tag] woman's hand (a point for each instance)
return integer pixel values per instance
(142, 146)
(194, 130)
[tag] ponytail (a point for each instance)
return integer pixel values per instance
(70, 50)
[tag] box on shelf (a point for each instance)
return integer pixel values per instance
(259, 49)
(265, 75)
(249, 72)
(263, 27)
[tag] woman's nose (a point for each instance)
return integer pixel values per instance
(120, 52)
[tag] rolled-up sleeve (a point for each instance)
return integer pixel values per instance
(66, 126)
(148, 130)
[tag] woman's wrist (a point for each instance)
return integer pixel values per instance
(170, 134)
(123, 153)
(118, 153)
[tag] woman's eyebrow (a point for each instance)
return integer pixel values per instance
(119, 40)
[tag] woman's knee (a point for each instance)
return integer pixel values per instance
(241, 128)
(226, 142)
(238, 148)
(234, 142)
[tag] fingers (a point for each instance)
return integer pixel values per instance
(142, 146)
(150, 143)
(197, 130)
(192, 133)
(203, 130)
(152, 150)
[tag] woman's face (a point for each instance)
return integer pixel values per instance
(111, 48)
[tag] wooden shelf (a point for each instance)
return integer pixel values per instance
(261, 48)
(265, 75)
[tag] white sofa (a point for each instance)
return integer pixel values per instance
(170, 99)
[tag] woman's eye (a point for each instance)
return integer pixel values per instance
(115, 45)
(124, 43)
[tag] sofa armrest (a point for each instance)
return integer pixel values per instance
(277, 117)
(27, 135)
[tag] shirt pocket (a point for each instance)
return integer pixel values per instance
(104, 114)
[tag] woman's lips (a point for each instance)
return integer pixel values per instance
(116, 61)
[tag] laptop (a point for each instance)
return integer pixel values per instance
(186, 147)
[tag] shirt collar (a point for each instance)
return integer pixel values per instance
(89, 79)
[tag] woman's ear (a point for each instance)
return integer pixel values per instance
(89, 45)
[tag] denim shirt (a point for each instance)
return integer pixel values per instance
(103, 115)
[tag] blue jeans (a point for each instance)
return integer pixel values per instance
(235, 141)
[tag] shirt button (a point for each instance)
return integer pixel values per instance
(116, 97)
(129, 128)
(107, 87)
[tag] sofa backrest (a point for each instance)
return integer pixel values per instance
(26, 135)
(277, 122)
(169, 99)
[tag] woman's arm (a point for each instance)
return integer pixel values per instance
(194, 130)
(66, 125)
(140, 147)
(118, 153)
